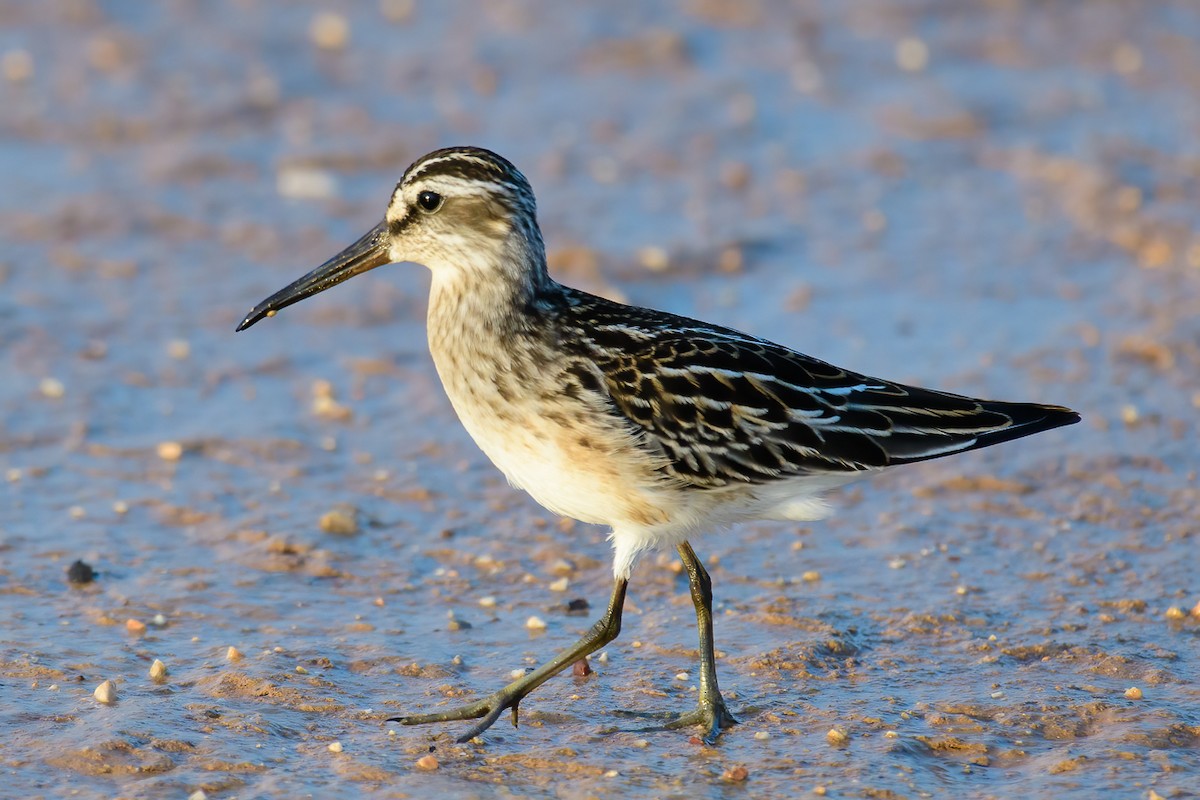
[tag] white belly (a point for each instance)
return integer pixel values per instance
(574, 469)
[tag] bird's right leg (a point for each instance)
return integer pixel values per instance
(491, 707)
(711, 713)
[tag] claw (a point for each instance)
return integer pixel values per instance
(714, 716)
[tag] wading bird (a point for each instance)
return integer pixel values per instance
(653, 424)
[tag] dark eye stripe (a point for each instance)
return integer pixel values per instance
(396, 227)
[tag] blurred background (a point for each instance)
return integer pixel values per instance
(998, 198)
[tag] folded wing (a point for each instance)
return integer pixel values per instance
(725, 407)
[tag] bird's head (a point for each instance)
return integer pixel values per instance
(463, 212)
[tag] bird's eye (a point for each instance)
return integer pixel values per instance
(429, 201)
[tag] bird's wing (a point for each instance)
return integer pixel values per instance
(725, 407)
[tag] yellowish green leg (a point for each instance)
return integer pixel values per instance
(491, 707)
(711, 712)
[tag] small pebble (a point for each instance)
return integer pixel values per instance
(912, 54)
(874, 221)
(1175, 612)
(324, 404)
(198, 795)
(761, 735)
(159, 620)
(581, 668)
(106, 692)
(80, 572)
(397, 10)
(52, 388)
(836, 737)
(1126, 58)
(428, 762)
(16, 66)
(233, 654)
(559, 585)
(120, 507)
(303, 183)
(301, 670)
(730, 260)
(1133, 693)
(170, 451)
(135, 625)
(335, 747)
(487, 602)
(1130, 414)
(681, 676)
(341, 520)
(654, 259)
(735, 175)
(158, 670)
(811, 576)
(178, 349)
(737, 774)
(535, 624)
(329, 31)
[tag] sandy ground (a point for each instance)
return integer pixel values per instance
(997, 198)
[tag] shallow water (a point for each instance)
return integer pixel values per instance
(997, 199)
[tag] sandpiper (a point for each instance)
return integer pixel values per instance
(655, 425)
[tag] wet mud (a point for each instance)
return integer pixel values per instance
(997, 198)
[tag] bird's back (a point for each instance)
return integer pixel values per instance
(727, 408)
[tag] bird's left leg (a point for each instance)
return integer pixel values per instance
(711, 711)
(509, 698)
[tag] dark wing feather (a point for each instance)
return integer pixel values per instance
(725, 407)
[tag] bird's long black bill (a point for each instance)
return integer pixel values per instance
(367, 253)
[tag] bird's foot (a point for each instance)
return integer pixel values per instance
(711, 715)
(488, 708)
